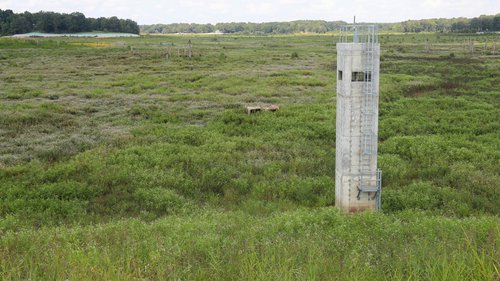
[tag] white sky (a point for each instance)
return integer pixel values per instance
(213, 11)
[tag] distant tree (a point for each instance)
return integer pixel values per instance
(50, 22)
(461, 26)
(112, 24)
(77, 23)
(19, 24)
(5, 22)
(129, 26)
(496, 23)
(45, 22)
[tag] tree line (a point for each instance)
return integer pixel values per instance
(51, 22)
(479, 24)
(483, 23)
(314, 26)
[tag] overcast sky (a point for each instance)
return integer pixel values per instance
(213, 11)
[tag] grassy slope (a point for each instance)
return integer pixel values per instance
(135, 165)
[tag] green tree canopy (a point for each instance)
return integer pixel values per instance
(50, 22)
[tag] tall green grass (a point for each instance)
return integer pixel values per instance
(319, 244)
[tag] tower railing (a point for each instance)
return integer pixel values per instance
(358, 33)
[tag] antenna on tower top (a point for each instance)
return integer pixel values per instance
(354, 19)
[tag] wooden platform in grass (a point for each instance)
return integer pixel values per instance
(255, 109)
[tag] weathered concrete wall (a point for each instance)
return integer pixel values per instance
(349, 122)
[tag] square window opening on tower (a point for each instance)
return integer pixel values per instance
(360, 76)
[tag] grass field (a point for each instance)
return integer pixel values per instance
(118, 163)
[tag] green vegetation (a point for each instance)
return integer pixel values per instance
(50, 22)
(479, 24)
(137, 161)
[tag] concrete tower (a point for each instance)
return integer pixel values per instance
(357, 179)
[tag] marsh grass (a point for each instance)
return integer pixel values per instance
(117, 163)
(318, 244)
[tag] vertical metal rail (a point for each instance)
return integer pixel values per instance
(340, 90)
(378, 197)
(369, 178)
(344, 33)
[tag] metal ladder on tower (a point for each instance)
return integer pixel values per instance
(369, 181)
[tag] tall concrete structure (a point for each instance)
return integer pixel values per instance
(357, 179)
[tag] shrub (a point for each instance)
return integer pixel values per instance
(159, 200)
